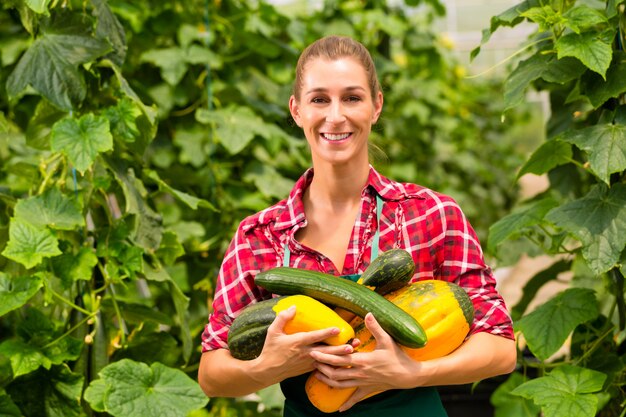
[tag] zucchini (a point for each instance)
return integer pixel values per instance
(345, 294)
(391, 271)
(247, 333)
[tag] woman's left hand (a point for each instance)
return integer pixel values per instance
(386, 367)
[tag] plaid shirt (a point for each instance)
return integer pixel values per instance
(429, 225)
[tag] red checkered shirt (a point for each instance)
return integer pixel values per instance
(427, 224)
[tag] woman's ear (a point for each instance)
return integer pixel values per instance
(294, 109)
(378, 107)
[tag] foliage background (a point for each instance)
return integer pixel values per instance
(134, 136)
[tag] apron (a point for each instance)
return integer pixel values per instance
(415, 402)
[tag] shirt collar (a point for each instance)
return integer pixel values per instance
(292, 212)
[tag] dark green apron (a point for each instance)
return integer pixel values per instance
(416, 402)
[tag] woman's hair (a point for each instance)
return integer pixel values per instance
(334, 47)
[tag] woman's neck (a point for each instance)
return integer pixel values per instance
(337, 187)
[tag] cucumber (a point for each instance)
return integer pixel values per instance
(391, 271)
(348, 295)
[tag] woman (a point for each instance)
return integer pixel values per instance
(340, 213)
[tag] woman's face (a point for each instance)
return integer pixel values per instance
(336, 110)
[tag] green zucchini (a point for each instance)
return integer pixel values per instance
(391, 271)
(345, 294)
(247, 333)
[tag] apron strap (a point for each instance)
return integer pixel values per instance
(375, 241)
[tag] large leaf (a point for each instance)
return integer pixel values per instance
(29, 244)
(567, 391)
(71, 267)
(541, 65)
(134, 388)
(235, 127)
(547, 327)
(604, 143)
(189, 200)
(590, 48)
(598, 220)
(147, 227)
(24, 357)
(549, 155)
(52, 393)
(52, 208)
(508, 405)
(513, 224)
(110, 28)
(599, 90)
(82, 140)
(16, 291)
(50, 64)
(583, 17)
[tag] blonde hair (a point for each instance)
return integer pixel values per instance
(334, 47)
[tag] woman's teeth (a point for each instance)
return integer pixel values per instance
(330, 136)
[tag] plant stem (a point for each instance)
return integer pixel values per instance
(508, 58)
(594, 347)
(76, 326)
(68, 302)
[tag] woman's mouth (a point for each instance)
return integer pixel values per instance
(335, 137)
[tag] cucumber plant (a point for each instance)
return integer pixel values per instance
(576, 58)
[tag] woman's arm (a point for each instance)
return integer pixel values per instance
(482, 356)
(283, 356)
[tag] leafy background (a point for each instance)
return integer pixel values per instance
(134, 136)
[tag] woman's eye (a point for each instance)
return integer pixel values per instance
(317, 100)
(354, 98)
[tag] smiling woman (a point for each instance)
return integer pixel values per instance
(337, 218)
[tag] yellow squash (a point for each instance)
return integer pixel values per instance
(444, 311)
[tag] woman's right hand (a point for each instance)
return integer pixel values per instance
(287, 355)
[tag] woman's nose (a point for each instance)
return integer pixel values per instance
(335, 113)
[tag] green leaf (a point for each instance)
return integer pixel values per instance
(171, 62)
(597, 220)
(540, 65)
(547, 327)
(52, 209)
(82, 140)
(50, 64)
(583, 17)
(38, 6)
(508, 405)
(53, 393)
(134, 388)
(170, 249)
(16, 291)
(550, 154)
(566, 391)
(589, 47)
(24, 357)
(235, 127)
(545, 16)
(123, 120)
(71, 267)
(8, 407)
(268, 180)
(599, 90)
(605, 145)
(95, 395)
(109, 28)
(513, 224)
(147, 228)
(29, 244)
(189, 200)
